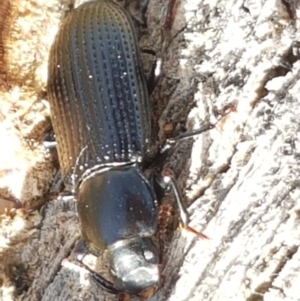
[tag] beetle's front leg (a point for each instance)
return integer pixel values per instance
(167, 181)
(81, 250)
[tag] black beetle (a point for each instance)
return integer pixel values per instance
(101, 115)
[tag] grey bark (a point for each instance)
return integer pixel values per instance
(241, 178)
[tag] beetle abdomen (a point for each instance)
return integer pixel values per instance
(97, 92)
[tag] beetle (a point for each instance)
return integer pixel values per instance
(101, 116)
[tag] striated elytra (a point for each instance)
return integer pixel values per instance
(101, 116)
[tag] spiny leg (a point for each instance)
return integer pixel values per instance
(168, 182)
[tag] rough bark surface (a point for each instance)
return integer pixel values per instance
(241, 178)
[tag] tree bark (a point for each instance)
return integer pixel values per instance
(233, 63)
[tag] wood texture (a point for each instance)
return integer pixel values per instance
(241, 178)
(4, 27)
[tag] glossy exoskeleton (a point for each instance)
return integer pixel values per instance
(101, 115)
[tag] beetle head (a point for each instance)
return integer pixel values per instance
(135, 266)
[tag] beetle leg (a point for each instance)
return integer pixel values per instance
(168, 148)
(156, 69)
(206, 127)
(171, 143)
(156, 73)
(49, 139)
(50, 144)
(165, 215)
(190, 134)
(81, 251)
(101, 281)
(124, 297)
(168, 182)
(165, 227)
(157, 66)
